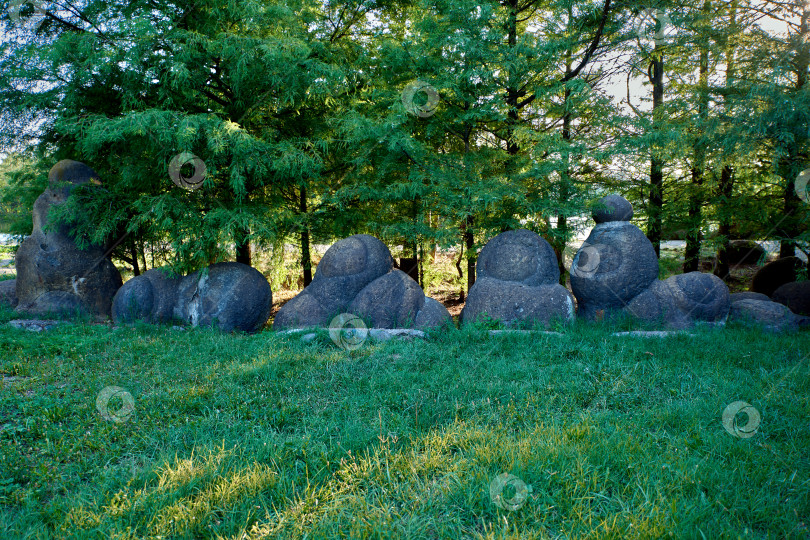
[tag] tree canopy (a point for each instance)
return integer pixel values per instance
(425, 122)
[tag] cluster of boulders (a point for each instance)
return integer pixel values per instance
(229, 296)
(517, 281)
(776, 301)
(55, 277)
(356, 275)
(780, 282)
(615, 273)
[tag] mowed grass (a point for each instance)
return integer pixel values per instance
(263, 436)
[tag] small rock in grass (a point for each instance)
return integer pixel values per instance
(386, 334)
(34, 325)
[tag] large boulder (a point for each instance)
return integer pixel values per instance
(656, 306)
(432, 315)
(771, 316)
(229, 296)
(615, 264)
(302, 311)
(682, 300)
(612, 208)
(519, 256)
(356, 275)
(150, 297)
(614, 274)
(775, 274)
(700, 297)
(516, 303)
(795, 296)
(745, 252)
(8, 293)
(390, 301)
(53, 275)
(346, 267)
(517, 282)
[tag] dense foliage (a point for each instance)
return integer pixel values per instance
(425, 122)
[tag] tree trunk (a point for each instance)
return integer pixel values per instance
(791, 224)
(469, 240)
(133, 250)
(565, 174)
(726, 187)
(306, 260)
(691, 259)
(789, 228)
(243, 249)
(421, 263)
(143, 256)
(655, 204)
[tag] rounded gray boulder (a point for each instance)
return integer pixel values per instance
(302, 311)
(432, 315)
(230, 295)
(748, 295)
(771, 316)
(513, 303)
(346, 267)
(682, 300)
(745, 252)
(657, 307)
(150, 297)
(699, 296)
(519, 256)
(795, 295)
(357, 276)
(612, 208)
(614, 265)
(775, 274)
(390, 301)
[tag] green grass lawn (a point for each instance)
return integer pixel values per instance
(263, 436)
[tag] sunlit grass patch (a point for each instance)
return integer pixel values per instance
(265, 436)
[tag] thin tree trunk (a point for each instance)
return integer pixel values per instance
(243, 248)
(421, 263)
(792, 227)
(691, 260)
(565, 175)
(726, 188)
(512, 113)
(460, 272)
(469, 240)
(655, 205)
(143, 256)
(306, 259)
(133, 250)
